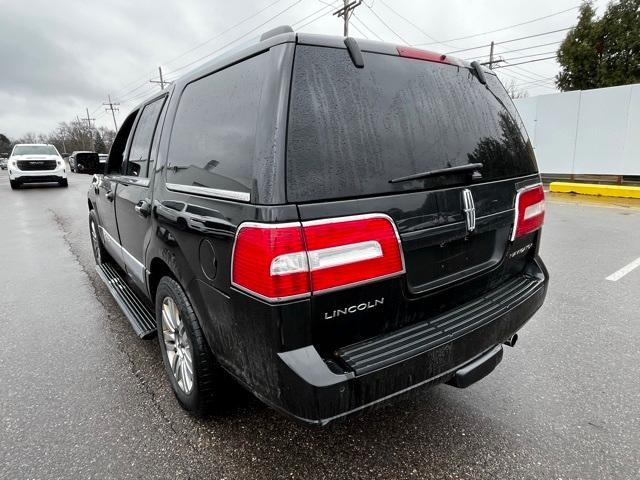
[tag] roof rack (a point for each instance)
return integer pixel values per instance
(276, 31)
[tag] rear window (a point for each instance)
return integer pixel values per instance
(352, 130)
(84, 157)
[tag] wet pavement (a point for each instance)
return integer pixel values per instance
(82, 397)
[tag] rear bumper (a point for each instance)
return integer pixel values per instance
(316, 391)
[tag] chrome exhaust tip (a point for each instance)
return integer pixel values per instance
(512, 341)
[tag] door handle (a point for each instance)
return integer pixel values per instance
(143, 208)
(109, 195)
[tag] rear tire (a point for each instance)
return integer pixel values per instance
(63, 182)
(14, 184)
(195, 376)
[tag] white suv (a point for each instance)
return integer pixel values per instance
(31, 162)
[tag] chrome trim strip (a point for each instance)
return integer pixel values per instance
(134, 265)
(210, 192)
(122, 254)
(140, 182)
(111, 244)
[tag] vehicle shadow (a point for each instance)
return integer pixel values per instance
(429, 433)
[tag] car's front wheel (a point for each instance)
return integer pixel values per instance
(193, 372)
(63, 183)
(14, 184)
(99, 252)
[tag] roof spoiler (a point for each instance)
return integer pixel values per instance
(276, 31)
(479, 72)
(354, 52)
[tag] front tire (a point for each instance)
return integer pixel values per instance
(14, 184)
(99, 253)
(193, 372)
(63, 183)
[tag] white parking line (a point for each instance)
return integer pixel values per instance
(614, 277)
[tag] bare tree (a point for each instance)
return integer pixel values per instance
(514, 91)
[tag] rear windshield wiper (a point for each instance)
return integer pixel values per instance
(471, 168)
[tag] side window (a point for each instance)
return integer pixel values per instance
(116, 154)
(138, 160)
(214, 133)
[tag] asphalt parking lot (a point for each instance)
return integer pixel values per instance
(82, 397)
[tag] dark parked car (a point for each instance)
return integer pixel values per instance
(3, 163)
(332, 222)
(84, 162)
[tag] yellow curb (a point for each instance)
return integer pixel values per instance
(593, 189)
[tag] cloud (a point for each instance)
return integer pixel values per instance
(58, 58)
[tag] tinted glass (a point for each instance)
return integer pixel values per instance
(214, 134)
(138, 160)
(88, 156)
(352, 130)
(115, 160)
(34, 150)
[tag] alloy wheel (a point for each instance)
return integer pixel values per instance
(177, 345)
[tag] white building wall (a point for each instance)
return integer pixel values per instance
(585, 132)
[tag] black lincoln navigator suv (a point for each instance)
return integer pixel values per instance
(333, 222)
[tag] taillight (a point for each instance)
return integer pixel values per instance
(529, 211)
(282, 262)
(263, 263)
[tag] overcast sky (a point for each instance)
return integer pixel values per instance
(59, 57)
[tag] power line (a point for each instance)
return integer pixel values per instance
(519, 76)
(148, 92)
(365, 26)
(236, 39)
(528, 56)
(192, 49)
(505, 50)
(511, 40)
(327, 5)
(525, 72)
(528, 61)
(386, 25)
(501, 29)
(355, 27)
(331, 5)
(141, 95)
(198, 46)
(436, 41)
(223, 32)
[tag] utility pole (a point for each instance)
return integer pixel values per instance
(345, 12)
(89, 120)
(161, 82)
(491, 56)
(114, 108)
(64, 146)
(81, 132)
